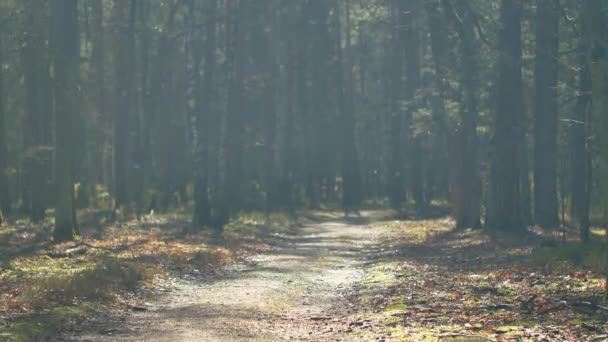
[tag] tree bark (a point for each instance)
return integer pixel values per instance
(545, 116)
(440, 168)
(466, 187)
(396, 173)
(413, 145)
(66, 61)
(230, 201)
(5, 201)
(351, 182)
(595, 27)
(199, 98)
(37, 136)
(504, 210)
(580, 152)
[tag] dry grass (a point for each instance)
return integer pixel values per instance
(120, 261)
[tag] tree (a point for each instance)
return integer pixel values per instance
(282, 43)
(233, 121)
(396, 172)
(413, 143)
(37, 128)
(66, 61)
(580, 151)
(595, 26)
(545, 113)
(200, 98)
(5, 200)
(438, 29)
(351, 186)
(504, 211)
(466, 187)
(122, 121)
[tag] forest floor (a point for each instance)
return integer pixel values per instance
(372, 278)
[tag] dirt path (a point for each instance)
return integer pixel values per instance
(297, 291)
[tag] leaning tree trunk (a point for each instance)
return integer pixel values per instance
(66, 59)
(545, 113)
(504, 210)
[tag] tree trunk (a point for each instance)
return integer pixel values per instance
(413, 145)
(595, 28)
(439, 165)
(351, 182)
(230, 201)
(396, 173)
(466, 187)
(66, 59)
(123, 121)
(199, 98)
(580, 153)
(504, 210)
(545, 116)
(37, 136)
(281, 44)
(5, 201)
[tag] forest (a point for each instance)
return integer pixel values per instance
(315, 170)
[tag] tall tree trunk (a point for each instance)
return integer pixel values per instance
(199, 98)
(103, 118)
(66, 59)
(413, 144)
(5, 200)
(279, 196)
(545, 113)
(37, 135)
(351, 182)
(396, 173)
(504, 210)
(124, 13)
(595, 32)
(466, 187)
(439, 165)
(233, 121)
(580, 153)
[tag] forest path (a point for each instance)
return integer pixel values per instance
(297, 291)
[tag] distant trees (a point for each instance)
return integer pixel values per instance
(220, 107)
